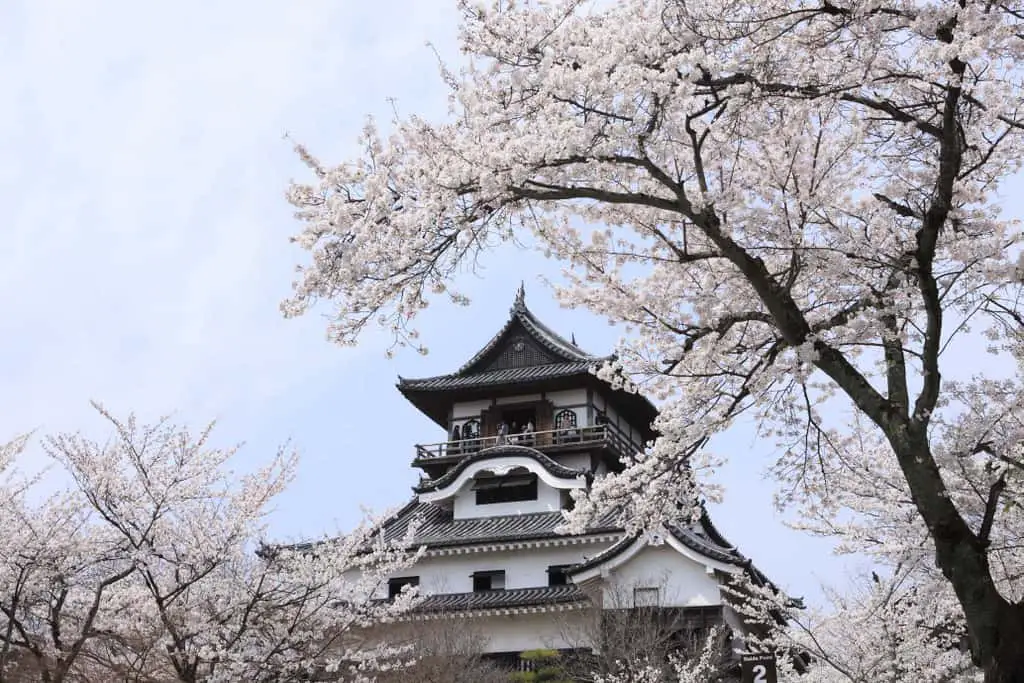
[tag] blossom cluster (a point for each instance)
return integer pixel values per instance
(154, 565)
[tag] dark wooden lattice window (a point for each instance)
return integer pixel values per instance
(565, 426)
(565, 419)
(471, 430)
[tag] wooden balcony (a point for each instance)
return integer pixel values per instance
(604, 436)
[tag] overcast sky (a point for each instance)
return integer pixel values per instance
(143, 249)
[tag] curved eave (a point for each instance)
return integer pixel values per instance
(720, 559)
(441, 384)
(497, 453)
(759, 577)
(502, 459)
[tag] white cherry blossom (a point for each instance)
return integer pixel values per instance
(794, 207)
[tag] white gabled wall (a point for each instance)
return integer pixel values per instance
(682, 582)
(548, 499)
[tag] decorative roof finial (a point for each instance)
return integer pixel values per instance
(574, 339)
(521, 295)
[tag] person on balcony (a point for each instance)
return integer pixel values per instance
(455, 446)
(527, 433)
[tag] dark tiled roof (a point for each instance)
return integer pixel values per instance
(547, 463)
(564, 358)
(517, 597)
(605, 555)
(529, 373)
(543, 334)
(437, 528)
(697, 539)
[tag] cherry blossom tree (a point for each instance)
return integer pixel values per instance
(792, 205)
(447, 648)
(705, 666)
(154, 566)
(59, 578)
(887, 629)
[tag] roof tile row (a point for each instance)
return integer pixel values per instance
(502, 599)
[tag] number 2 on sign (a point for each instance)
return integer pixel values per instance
(760, 673)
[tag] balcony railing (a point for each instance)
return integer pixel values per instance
(596, 435)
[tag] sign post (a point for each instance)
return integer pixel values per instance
(758, 667)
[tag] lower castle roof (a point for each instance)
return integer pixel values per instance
(501, 599)
(438, 528)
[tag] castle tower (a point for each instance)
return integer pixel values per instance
(526, 422)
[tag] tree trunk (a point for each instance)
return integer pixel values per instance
(995, 626)
(1006, 664)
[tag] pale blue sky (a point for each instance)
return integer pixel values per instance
(144, 245)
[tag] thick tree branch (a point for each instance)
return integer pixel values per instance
(991, 505)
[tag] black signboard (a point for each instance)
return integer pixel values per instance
(758, 668)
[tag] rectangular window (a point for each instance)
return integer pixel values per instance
(489, 581)
(506, 489)
(646, 597)
(396, 585)
(557, 575)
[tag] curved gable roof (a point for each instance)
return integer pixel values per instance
(550, 350)
(504, 451)
(520, 316)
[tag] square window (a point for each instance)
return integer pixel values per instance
(509, 489)
(396, 585)
(646, 597)
(557, 575)
(488, 581)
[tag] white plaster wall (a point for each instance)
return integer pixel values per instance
(521, 632)
(570, 400)
(578, 461)
(469, 409)
(519, 398)
(573, 399)
(523, 568)
(548, 498)
(567, 397)
(683, 582)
